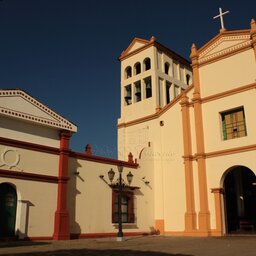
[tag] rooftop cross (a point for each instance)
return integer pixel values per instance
(221, 17)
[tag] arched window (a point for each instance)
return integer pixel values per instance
(128, 72)
(147, 64)
(137, 68)
(187, 79)
(166, 68)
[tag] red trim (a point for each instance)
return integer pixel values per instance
(100, 159)
(28, 176)
(103, 235)
(28, 145)
(56, 151)
(36, 238)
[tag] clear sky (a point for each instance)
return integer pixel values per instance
(65, 52)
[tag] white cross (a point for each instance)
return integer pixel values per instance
(221, 17)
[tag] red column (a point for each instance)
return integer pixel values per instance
(61, 221)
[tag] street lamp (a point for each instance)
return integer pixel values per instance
(120, 185)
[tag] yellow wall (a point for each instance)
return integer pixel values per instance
(90, 199)
(41, 200)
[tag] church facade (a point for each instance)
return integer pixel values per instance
(186, 134)
(198, 143)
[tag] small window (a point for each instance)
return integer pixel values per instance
(128, 95)
(166, 68)
(147, 64)
(233, 124)
(128, 72)
(127, 207)
(138, 91)
(148, 86)
(137, 68)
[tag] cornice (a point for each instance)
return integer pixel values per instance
(244, 44)
(230, 151)
(126, 54)
(229, 93)
(29, 146)
(225, 53)
(225, 34)
(29, 176)
(220, 153)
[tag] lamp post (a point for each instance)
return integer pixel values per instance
(120, 185)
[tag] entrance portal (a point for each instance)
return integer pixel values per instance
(240, 200)
(8, 205)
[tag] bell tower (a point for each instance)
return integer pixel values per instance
(151, 77)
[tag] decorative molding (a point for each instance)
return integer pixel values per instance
(127, 51)
(222, 152)
(230, 151)
(5, 162)
(226, 33)
(224, 36)
(60, 123)
(246, 38)
(29, 146)
(224, 94)
(28, 176)
(229, 92)
(224, 55)
(126, 54)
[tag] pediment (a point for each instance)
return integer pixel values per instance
(223, 44)
(136, 44)
(20, 105)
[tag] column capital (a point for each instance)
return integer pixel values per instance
(197, 97)
(184, 100)
(65, 134)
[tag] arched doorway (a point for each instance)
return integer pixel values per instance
(8, 205)
(240, 200)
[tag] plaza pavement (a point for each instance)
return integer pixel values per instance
(146, 246)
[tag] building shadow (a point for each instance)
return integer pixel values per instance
(93, 252)
(21, 243)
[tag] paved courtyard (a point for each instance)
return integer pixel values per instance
(148, 246)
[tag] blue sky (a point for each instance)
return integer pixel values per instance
(65, 52)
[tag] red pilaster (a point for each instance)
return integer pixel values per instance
(61, 221)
